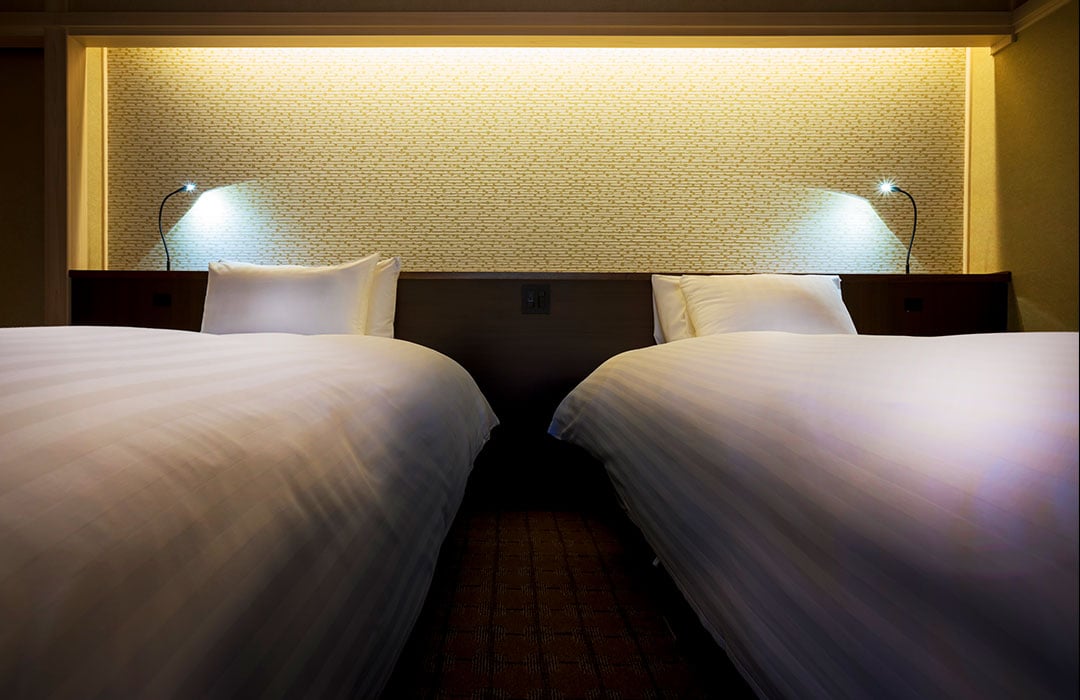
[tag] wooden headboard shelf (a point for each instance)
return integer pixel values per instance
(526, 362)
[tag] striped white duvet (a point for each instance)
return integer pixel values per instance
(857, 516)
(189, 515)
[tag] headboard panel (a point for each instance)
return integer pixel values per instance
(526, 362)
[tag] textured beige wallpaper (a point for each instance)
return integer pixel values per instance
(543, 159)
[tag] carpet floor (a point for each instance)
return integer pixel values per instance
(555, 604)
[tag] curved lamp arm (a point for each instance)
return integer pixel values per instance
(183, 188)
(888, 187)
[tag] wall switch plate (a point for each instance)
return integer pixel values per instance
(536, 298)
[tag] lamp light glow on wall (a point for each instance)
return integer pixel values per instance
(226, 221)
(887, 187)
(186, 187)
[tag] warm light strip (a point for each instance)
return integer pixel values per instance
(537, 41)
(965, 253)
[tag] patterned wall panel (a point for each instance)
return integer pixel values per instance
(545, 159)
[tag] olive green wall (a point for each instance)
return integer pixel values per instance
(1024, 217)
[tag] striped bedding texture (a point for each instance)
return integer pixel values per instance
(857, 516)
(190, 515)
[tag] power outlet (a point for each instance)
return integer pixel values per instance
(913, 304)
(536, 298)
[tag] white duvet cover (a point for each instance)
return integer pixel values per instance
(857, 516)
(190, 515)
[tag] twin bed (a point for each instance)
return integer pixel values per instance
(850, 516)
(227, 514)
(259, 512)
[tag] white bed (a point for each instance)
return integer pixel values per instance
(191, 515)
(857, 516)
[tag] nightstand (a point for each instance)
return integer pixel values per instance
(927, 304)
(138, 298)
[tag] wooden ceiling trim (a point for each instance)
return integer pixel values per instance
(625, 24)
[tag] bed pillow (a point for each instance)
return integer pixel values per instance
(670, 321)
(383, 299)
(792, 303)
(248, 298)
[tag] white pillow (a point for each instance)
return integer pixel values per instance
(792, 303)
(247, 298)
(670, 321)
(383, 299)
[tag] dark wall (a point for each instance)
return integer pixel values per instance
(22, 187)
(516, 5)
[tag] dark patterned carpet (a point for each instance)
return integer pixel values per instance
(532, 603)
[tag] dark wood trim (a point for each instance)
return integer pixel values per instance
(972, 26)
(527, 275)
(138, 275)
(56, 177)
(862, 278)
(445, 309)
(28, 41)
(846, 277)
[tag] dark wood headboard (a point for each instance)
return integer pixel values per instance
(526, 362)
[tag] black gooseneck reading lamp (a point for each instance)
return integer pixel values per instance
(888, 187)
(187, 187)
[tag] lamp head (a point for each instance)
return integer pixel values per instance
(886, 187)
(189, 186)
